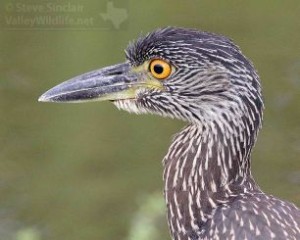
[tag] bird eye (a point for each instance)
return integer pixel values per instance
(160, 69)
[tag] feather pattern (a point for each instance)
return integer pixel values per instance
(209, 190)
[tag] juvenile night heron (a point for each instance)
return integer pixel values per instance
(205, 80)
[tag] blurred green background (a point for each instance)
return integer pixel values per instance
(89, 171)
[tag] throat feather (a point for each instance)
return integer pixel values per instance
(205, 169)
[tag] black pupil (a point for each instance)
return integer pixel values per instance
(158, 69)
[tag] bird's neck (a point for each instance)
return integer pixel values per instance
(206, 166)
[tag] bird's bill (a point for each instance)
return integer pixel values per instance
(115, 82)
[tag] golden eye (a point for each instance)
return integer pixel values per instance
(160, 69)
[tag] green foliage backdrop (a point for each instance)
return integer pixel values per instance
(79, 171)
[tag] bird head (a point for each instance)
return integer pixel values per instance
(180, 73)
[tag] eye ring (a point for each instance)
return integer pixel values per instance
(160, 69)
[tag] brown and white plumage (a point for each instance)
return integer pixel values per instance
(209, 190)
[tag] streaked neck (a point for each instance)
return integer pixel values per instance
(204, 168)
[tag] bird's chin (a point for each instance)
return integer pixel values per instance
(129, 105)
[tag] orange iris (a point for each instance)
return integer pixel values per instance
(160, 69)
